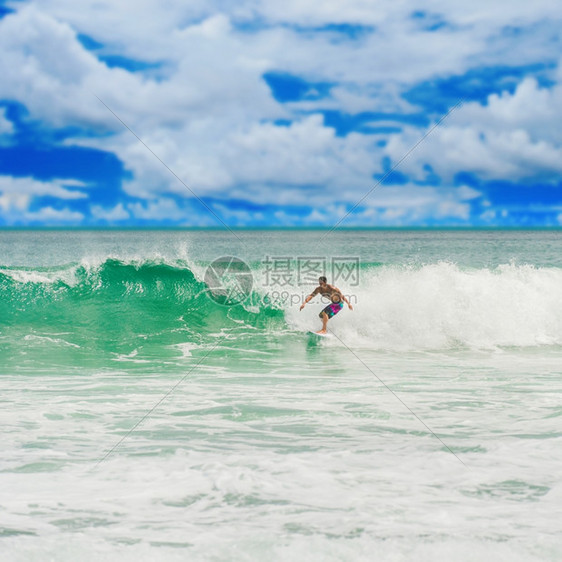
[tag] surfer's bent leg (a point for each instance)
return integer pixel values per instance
(330, 311)
(324, 317)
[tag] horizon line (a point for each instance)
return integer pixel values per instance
(316, 228)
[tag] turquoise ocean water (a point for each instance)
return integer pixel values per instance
(141, 419)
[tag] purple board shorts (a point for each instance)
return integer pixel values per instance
(332, 309)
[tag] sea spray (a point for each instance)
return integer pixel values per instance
(441, 306)
(115, 305)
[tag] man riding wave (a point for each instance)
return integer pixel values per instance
(335, 295)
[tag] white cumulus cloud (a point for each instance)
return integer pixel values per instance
(209, 115)
(513, 137)
(17, 195)
(19, 191)
(113, 214)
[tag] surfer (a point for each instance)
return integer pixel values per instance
(334, 294)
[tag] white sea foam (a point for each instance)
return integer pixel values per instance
(185, 348)
(49, 340)
(443, 306)
(316, 467)
(65, 274)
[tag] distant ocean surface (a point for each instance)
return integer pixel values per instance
(147, 414)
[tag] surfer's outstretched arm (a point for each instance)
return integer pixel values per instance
(306, 300)
(311, 296)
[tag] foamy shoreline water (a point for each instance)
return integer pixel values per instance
(273, 445)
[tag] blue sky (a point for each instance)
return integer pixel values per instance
(280, 114)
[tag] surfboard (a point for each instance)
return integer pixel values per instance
(311, 333)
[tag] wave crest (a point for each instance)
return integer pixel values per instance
(442, 306)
